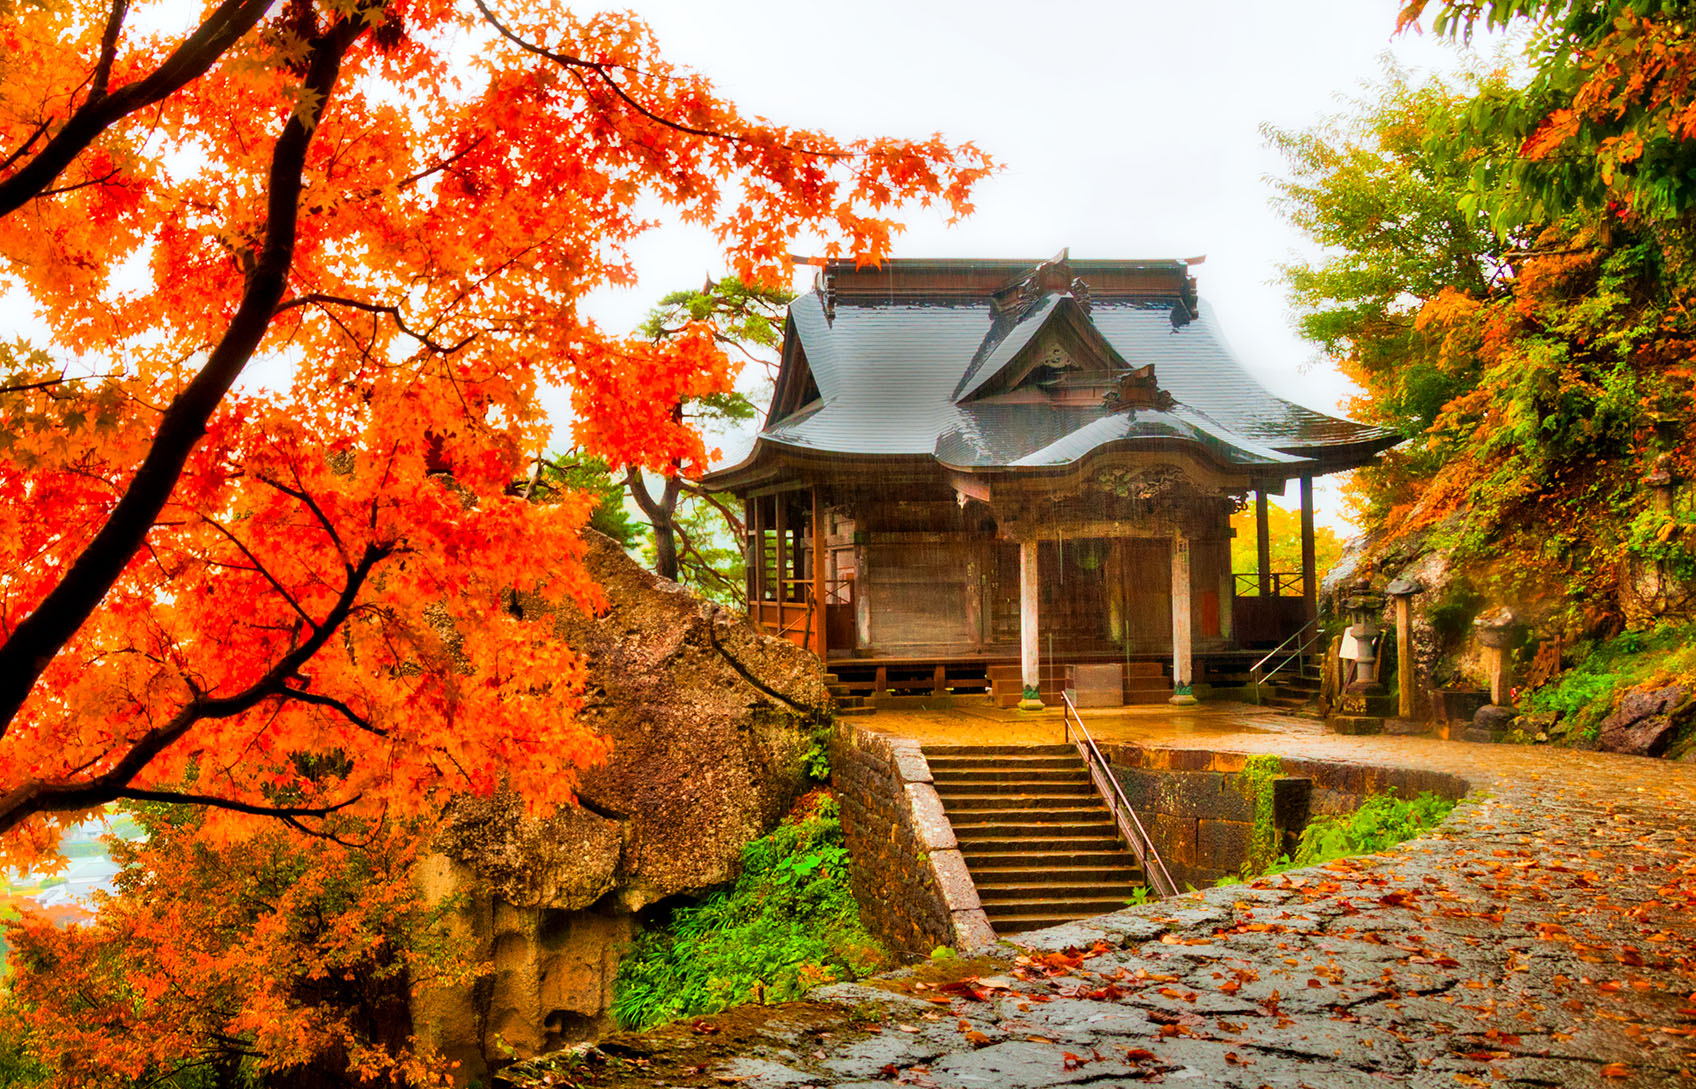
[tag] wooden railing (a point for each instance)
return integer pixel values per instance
(1279, 583)
(1130, 828)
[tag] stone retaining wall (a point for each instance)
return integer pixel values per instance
(908, 874)
(1200, 813)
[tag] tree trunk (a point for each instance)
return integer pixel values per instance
(661, 514)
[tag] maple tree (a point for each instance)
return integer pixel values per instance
(302, 268)
(269, 960)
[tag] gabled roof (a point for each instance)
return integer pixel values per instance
(912, 361)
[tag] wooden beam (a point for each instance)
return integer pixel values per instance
(818, 574)
(1262, 543)
(779, 550)
(1404, 655)
(750, 552)
(1309, 577)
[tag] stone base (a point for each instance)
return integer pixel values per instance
(1183, 699)
(1477, 734)
(1355, 724)
(1031, 705)
(1406, 727)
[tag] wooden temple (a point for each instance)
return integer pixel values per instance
(1005, 476)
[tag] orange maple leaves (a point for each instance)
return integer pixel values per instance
(332, 569)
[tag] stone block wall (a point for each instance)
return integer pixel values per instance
(1200, 813)
(908, 874)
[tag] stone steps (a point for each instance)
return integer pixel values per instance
(1041, 847)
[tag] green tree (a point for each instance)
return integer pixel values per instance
(688, 546)
(1383, 190)
(1284, 534)
(1539, 366)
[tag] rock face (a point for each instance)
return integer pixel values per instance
(712, 724)
(1647, 720)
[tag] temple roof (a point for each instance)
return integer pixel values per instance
(989, 366)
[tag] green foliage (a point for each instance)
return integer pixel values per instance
(1537, 366)
(789, 923)
(1584, 694)
(581, 473)
(1384, 820)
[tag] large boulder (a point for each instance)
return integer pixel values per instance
(1647, 720)
(712, 725)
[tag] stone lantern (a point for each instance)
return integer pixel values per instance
(1360, 640)
(1661, 484)
(1401, 593)
(1497, 631)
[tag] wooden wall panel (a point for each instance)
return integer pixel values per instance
(916, 593)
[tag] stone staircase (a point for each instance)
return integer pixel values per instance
(847, 703)
(1293, 689)
(1041, 847)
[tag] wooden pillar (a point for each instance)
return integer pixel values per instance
(818, 573)
(1262, 543)
(1309, 577)
(750, 549)
(1030, 654)
(780, 556)
(1404, 655)
(1182, 695)
(756, 601)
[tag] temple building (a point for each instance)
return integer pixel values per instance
(1011, 476)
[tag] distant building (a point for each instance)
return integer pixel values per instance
(1020, 469)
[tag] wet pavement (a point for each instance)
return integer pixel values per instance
(1545, 935)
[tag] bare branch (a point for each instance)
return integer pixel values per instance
(174, 797)
(302, 696)
(260, 567)
(108, 50)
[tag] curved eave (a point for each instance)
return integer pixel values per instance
(773, 460)
(1341, 456)
(1141, 444)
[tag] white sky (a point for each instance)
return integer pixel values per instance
(1125, 129)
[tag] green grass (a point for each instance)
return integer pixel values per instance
(1382, 821)
(789, 924)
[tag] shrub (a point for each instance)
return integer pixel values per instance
(788, 924)
(1382, 821)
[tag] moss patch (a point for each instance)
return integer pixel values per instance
(1255, 782)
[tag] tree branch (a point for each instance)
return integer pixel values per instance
(39, 796)
(36, 639)
(377, 308)
(577, 65)
(303, 696)
(222, 29)
(173, 797)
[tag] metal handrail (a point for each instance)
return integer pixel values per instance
(1130, 828)
(1259, 678)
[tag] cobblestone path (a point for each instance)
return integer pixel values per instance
(1544, 936)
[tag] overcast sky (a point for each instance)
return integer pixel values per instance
(1125, 129)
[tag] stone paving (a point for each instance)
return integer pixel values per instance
(1545, 935)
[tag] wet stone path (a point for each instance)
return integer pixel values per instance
(1545, 935)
